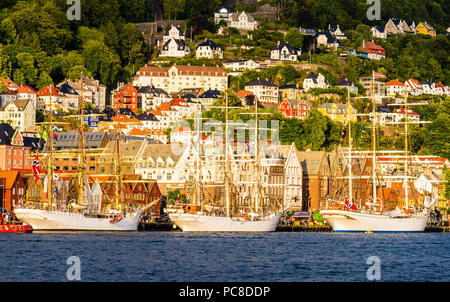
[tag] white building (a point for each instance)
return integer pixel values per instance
(152, 97)
(335, 31)
(173, 33)
(182, 135)
(209, 97)
(413, 87)
(223, 14)
(265, 91)
(20, 113)
(25, 92)
(208, 49)
(242, 21)
(241, 65)
(175, 78)
(315, 81)
(164, 163)
(149, 121)
(175, 48)
(379, 32)
(395, 87)
(327, 40)
(285, 52)
(293, 176)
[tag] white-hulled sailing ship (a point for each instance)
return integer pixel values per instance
(242, 204)
(349, 215)
(85, 213)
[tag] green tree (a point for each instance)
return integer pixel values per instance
(101, 61)
(44, 80)
(26, 72)
(316, 125)
(294, 38)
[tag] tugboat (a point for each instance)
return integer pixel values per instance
(14, 226)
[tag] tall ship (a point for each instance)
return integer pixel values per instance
(237, 200)
(82, 211)
(361, 202)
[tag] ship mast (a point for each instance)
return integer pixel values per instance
(227, 189)
(81, 156)
(117, 164)
(257, 205)
(198, 199)
(350, 147)
(50, 158)
(406, 151)
(374, 145)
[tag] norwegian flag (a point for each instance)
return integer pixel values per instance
(377, 75)
(36, 168)
(350, 206)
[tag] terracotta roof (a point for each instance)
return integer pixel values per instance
(177, 102)
(371, 45)
(10, 177)
(125, 119)
(402, 111)
(154, 71)
(9, 83)
(201, 70)
(138, 132)
(26, 89)
(45, 91)
(413, 83)
(394, 83)
(181, 129)
(243, 93)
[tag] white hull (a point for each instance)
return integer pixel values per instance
(42, 220)
(347, 221)
(205, 223)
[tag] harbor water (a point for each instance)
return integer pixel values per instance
(227, 257)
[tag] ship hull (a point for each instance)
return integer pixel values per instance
(346, 222)
(41, 220)
(15, 228)
(204, 223)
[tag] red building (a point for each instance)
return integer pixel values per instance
(12, 189)
(14, 153)
(127, 97)
(295, 108)
(375, 51)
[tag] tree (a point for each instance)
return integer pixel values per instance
(101, 61)
(8, 32)
(27, 72)
(294, 38)
(44, 80)
(315, 126)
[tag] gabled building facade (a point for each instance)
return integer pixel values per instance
(285, 52)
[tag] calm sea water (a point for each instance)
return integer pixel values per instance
(230, 257)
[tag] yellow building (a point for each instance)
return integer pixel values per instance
(425, 29)
(338, 112)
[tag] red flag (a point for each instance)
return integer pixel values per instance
(353, 207)
(377, 75)
(36, 168)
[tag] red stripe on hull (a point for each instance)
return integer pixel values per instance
(15, 228)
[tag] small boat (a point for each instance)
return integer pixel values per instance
(15, 228)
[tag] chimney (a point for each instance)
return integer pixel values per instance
(278, 43)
